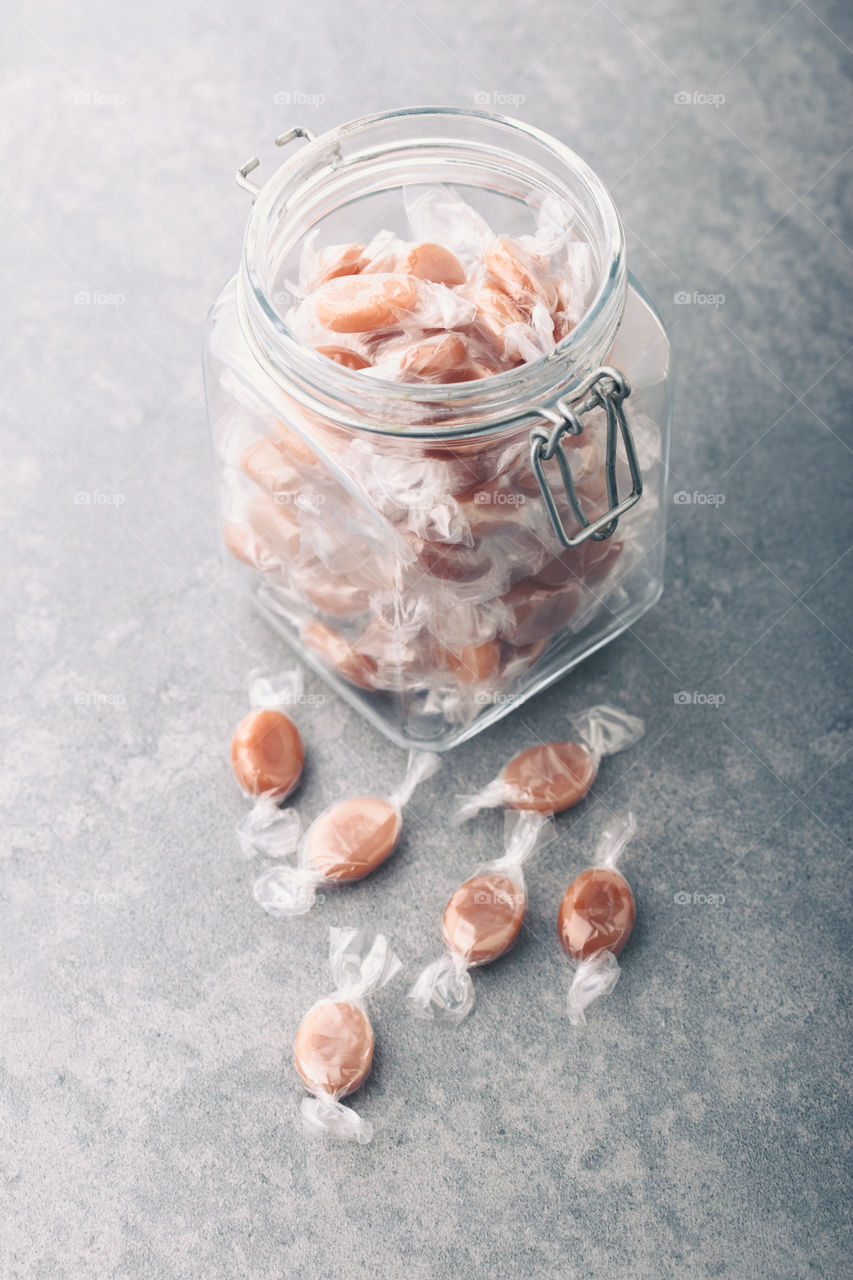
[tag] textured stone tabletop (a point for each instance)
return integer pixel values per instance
(149, 1107)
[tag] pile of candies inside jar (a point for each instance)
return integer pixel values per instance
(469, 585)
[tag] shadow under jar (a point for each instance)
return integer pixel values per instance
(439, 553)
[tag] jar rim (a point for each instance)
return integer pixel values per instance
(501, 397)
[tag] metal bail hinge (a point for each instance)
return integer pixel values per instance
(282, 140)
(607, 389)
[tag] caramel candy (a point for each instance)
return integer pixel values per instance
(436, 358)
(599, 558)
(596, 913)
(395, 651)
(333, 593)
(495, 311)
(452, 562)
(538, 613)
(265, 463)
(522, 658)
(267, 753)
(277, 526)
(333, 1050)
(291, 443)
(247, 548)
(563, 326)
(583, 565)
(473, 663)
(358, 668)
(353, 838)
(344, 356)
(478, 369)
(482, 919)
(549, 778)
(338, 260)
(433, 262)
(516, 272)
(361, 304)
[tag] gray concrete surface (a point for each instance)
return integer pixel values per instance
(698, 1127)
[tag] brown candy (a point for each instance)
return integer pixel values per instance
(247, 548)
(549, 778)
(472, 663)
(516, 272)
(333, 593)
(267, 753)
(584, 565)
(277, 527)
(265, 462)
(291, 443)
(433, 262)
(360, 304)
(333, 1050)
(344, 356)
(482, 919)
(339, 260)
(358, 668)
(353, 838)
(596, 913)
(437, 358)
(495, 311)
(537, 613)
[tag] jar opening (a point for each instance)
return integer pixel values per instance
(344, 181)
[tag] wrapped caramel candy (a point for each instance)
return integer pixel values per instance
(554, 776)
(345, 843)
(481, 921)
(267, 752)
(595, 920)
(333, 1050)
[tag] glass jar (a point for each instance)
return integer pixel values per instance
(438, 553)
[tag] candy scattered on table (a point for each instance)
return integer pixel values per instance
(553, 776)
(333, 1049)
(481, 921)
(344, 844)
(267, 753)
(595, 920)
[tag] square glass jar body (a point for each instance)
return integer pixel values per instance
(396, 536)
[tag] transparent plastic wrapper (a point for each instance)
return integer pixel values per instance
(267, 751)
(333, 1050)
(595, 920)
(554, 776)
(481, 921)
(344, 844)
(418, 430)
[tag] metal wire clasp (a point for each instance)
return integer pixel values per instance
(282, 140)
(606, 388)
